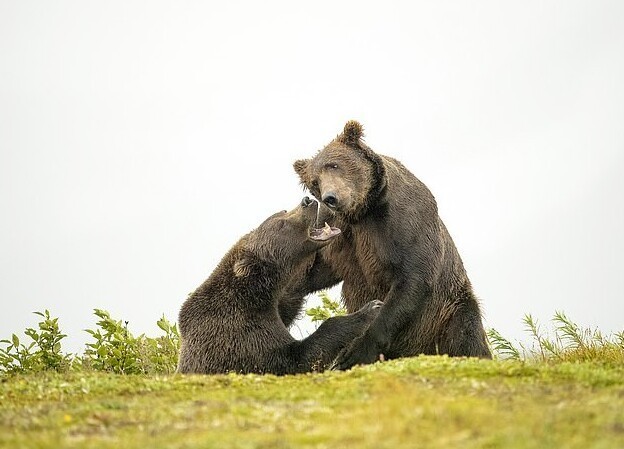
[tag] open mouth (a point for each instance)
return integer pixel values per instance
(325, 233)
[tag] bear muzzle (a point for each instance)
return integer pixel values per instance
(330, 199)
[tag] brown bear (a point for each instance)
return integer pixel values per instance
(232, 322)
(393, 247)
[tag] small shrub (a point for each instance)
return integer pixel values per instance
(115, 349)
(327, 309)
(42, 353)
(160, 354)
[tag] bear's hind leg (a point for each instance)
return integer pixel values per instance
(464, 336)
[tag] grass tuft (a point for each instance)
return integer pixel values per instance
(566, 341)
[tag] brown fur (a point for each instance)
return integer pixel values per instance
(396, 248)
(237, 319)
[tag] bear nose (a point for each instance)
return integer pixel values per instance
(306, 201)
(330, 199)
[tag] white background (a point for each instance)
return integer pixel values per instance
(140, 140)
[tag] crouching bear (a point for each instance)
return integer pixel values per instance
(393, 247)
(232, 322)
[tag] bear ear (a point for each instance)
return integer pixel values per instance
(352, 133)
(301, 168)
(242, 267)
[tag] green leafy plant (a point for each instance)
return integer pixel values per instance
(116, 350)
(43, 352)
(327, 309)
(161, 352)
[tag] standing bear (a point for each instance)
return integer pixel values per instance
(393, 247)
(232, 322)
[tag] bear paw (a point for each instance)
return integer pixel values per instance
(362, 351)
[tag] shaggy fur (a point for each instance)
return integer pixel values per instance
(236, 321)
(393, 247)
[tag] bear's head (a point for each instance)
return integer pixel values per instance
(286, 238)
(346, 175)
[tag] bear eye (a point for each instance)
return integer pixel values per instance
(332, 166)
(315, 184)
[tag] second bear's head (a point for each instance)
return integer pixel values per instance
(346, 175)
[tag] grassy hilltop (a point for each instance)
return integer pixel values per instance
(565, 391)
(425, 402)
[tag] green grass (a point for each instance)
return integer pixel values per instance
(563, 389)
(423, 402)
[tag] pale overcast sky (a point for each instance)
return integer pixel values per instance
(140, 139)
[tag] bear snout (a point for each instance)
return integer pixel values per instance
(330, 199)
(306, 201)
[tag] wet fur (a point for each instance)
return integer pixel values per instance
(237, 320)
(394, 247)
